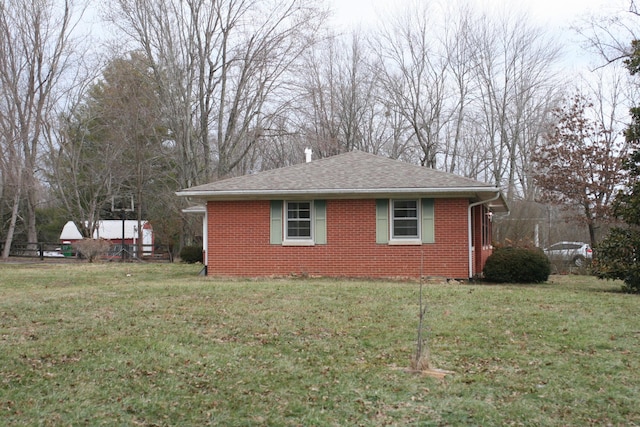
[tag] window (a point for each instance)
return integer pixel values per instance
(298, 224)
(405, 222)
(404, 219)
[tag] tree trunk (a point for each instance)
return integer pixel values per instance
(12, 225)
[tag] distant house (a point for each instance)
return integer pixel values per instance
(351, 215)
(112, 230)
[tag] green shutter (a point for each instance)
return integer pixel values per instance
(428, 221)
(320, 222)
(275, 237)
(382, 221)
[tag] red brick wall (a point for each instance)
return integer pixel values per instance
(238, 235)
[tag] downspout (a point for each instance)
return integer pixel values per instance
(205, 240)
(471, 206)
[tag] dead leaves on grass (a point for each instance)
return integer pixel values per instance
(49, 361)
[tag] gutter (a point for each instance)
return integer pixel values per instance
(471, 206)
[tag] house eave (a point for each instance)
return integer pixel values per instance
(473, 193)
(197, 209)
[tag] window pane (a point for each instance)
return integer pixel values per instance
(405, 209)
(299, 220)
(405, 218)
(298, 210)
(299, 229)
(405, 228)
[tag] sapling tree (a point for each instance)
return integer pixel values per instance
(421, 360)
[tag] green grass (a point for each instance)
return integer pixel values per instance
(156, 345)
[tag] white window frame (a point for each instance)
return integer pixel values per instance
(405, 240)
(295, 240)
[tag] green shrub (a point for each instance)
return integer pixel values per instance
(517, 265)
(191, 254)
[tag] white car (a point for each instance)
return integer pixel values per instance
(574, 253)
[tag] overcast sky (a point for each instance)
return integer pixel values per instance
(556, 13)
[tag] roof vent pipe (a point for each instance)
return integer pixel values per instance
(307, 154)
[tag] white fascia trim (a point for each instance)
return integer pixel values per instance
(244, 194)
(201, 209)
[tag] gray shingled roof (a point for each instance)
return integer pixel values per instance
(355, 174)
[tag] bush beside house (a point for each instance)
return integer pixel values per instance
(517, 265)
(191, 254)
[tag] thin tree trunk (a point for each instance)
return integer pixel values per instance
(12, 225)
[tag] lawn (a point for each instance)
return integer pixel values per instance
(156, 345)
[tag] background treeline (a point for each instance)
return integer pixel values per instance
(135, 99)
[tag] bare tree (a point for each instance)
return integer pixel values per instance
(609, 35)
(340, 108)
(83, 164)
(360, 107)
(217, 64)
(178, 38)
(318, 112)
(514, 65)
(413, 71)
(457, 46)
(475, 91)
(35, 47)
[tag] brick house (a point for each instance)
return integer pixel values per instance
(350, 215)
